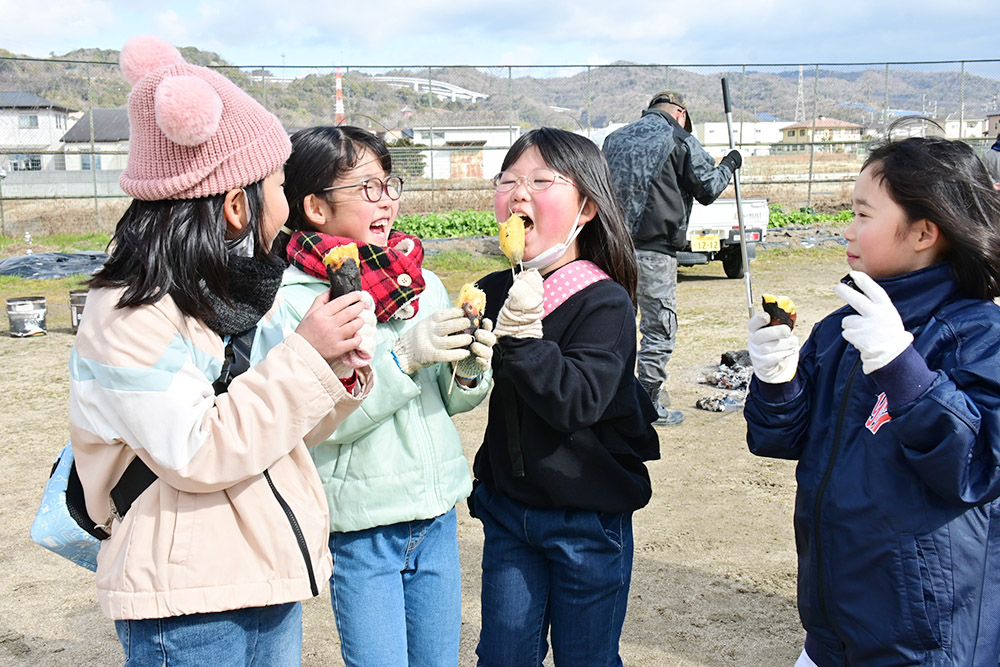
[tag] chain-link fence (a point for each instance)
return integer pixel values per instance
(804, 128)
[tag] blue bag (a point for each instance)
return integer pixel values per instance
(54, 528)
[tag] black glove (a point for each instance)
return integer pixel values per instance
(734, 160)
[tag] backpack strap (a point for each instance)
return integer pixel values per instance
(137, 476)
(567, 280)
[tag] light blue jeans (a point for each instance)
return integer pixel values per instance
(259, 636)
(397, 593)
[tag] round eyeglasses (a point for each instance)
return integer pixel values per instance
(374, 187)
(536, 181)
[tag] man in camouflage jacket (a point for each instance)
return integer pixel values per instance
(659, 169)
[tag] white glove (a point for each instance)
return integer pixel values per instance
(877, 330)
(480, 353)
(774, 351)
(437, 338)
(521, 315)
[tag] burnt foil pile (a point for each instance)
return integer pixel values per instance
(733, 375)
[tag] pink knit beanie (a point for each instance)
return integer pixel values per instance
(192, 132)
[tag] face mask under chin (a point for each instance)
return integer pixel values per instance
(554, 254)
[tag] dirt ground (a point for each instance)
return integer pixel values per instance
(714, 576)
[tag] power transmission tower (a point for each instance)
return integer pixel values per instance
(800, 100)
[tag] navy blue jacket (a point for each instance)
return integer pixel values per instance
(897, 522)
(569, 426)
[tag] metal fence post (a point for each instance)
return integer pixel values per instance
(812, 138)
(885, 104)
(961, 104)
(93, 154)
(3, 226)
(590, 96)
(430, 131)
(510, 106)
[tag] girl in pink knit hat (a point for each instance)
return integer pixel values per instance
(188, 369)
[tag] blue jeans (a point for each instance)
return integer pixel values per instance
(564, 569)
(397, 593)
(265, 636)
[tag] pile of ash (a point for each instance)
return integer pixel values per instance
(733, 375)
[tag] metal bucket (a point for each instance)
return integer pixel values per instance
(77, 300)
(27, 316)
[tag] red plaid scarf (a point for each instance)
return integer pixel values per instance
(392, 275)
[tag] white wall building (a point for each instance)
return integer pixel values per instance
(714, 136)
(954, 128)
(464, 152)
(98, 141)
(31, 129)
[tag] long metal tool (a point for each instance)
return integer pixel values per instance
(739, 197)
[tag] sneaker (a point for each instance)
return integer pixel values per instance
(667, 417)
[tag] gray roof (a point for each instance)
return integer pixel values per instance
(22, 100)
(109, 125)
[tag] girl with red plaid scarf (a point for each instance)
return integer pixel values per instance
(394, 471)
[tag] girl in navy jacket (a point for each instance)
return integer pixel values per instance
(892, 409)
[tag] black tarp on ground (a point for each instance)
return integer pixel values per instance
(53, 264)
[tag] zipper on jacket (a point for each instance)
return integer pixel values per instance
(822, 490)
(299, 537)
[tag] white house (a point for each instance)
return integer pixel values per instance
(464, 152)
(955, 128)
(103, 147)
(30, 131)
(753, 138)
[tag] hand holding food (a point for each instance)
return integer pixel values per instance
(334, 327)
(521, 314)
(472, 301)
(774, 350)
(439, 337)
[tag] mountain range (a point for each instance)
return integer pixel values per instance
(533, 96)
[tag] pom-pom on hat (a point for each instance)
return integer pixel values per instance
(192, 132)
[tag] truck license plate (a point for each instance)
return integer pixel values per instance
(704, 243)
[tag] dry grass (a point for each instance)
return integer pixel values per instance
(64, 216)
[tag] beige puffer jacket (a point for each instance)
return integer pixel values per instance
(237, 517)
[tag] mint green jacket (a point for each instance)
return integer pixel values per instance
(397, 457)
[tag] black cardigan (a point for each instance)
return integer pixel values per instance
(569, 425)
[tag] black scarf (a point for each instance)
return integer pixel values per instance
(253, 284)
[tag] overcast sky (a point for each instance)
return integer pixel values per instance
(540, 32)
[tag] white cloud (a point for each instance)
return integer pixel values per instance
(59, 25)
(402, 32)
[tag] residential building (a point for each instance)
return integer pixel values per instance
(464, 152)
(969, 128)
(992, 125)
(753, 138)
(30, 131)
(830, 135)
(98, 141)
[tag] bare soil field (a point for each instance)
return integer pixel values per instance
(714, 577)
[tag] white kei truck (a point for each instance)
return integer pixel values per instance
(714, 234)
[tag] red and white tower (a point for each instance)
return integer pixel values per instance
(339, 118)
